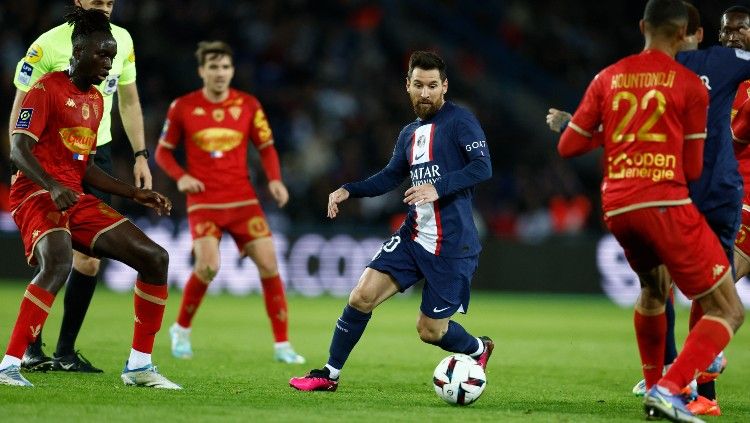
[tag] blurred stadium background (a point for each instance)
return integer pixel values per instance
(330, 76)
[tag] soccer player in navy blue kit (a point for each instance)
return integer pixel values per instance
(445, 154)
(718, 192)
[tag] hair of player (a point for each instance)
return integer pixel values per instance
(665, 17)
(694, 18)
(86, 22)
(427, 60)
(212, 49)
(737, 9)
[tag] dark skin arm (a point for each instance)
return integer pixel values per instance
(102, 181)
(24, 160)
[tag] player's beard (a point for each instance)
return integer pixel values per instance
(425, 109)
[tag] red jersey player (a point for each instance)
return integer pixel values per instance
(53, 141)
(653, 113)
(215, 123)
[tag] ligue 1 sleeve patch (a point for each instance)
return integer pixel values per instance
(24, 75)
(24, 119)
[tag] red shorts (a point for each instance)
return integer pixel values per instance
(676, 236)
(244, 223)
(742, 242)
(85, 221)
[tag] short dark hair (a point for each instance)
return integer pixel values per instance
(694, 18)
(212, 49)
(427, 60)
(665, 16)
(737, 9)
(86, 22)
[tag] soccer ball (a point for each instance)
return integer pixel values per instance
(459, 379)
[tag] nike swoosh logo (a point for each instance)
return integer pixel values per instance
(419, 156)
(436, 310)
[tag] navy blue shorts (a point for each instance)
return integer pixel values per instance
(447, 280)
(725, 222)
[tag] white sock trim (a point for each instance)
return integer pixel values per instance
(480, 348)
(279, 345)
(138, 359)
(334, 371)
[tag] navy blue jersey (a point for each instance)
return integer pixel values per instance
(721, 69)
(449, 151)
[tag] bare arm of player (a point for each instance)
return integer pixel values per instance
(557, 119)
(334, 198)
(132, 120)
(24, 160)
(102, 181)
(14, 111)
(420, 194)
(279, 192)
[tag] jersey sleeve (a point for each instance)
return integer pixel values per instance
(471, 138)
(582, 133)
(260, 129)
(37, 62)
(34, 112)
(696, 111)
(172, 131)
(128, 67)
(743, 93)
(387, 179)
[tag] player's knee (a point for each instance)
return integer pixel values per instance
(428, 334)
(206, 272)
(158, 258)
(53, 272)
(86, 265)
(362, 301)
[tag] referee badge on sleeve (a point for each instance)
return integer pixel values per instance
(24, 119)
(24, 75)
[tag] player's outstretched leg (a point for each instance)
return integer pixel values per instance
(54, 253)
(373, 288)
(34, 359)
(126, 243)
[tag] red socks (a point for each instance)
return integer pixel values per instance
(149, 301)
(195, 290)
(35, 307)
(651, 332)
(704, 342)
(275, 299)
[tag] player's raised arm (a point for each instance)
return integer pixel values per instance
(581, 133)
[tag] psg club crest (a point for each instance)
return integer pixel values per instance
(420, 141)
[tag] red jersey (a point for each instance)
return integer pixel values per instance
(648, 105)
(64, 121)
(216, 141)
(742, 149)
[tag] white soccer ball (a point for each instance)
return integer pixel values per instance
(459, 379)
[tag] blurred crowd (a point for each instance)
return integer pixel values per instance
(330, 74)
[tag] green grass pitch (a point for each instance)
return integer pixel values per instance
(557, 359)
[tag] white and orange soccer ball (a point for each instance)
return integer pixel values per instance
(459, 379)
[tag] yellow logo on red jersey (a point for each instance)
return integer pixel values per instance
(79, 140)
(261, 124)
(218, 114)
(217, 139)
(198, 111)
(85, 112)
(107, 211)
(235, 111)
